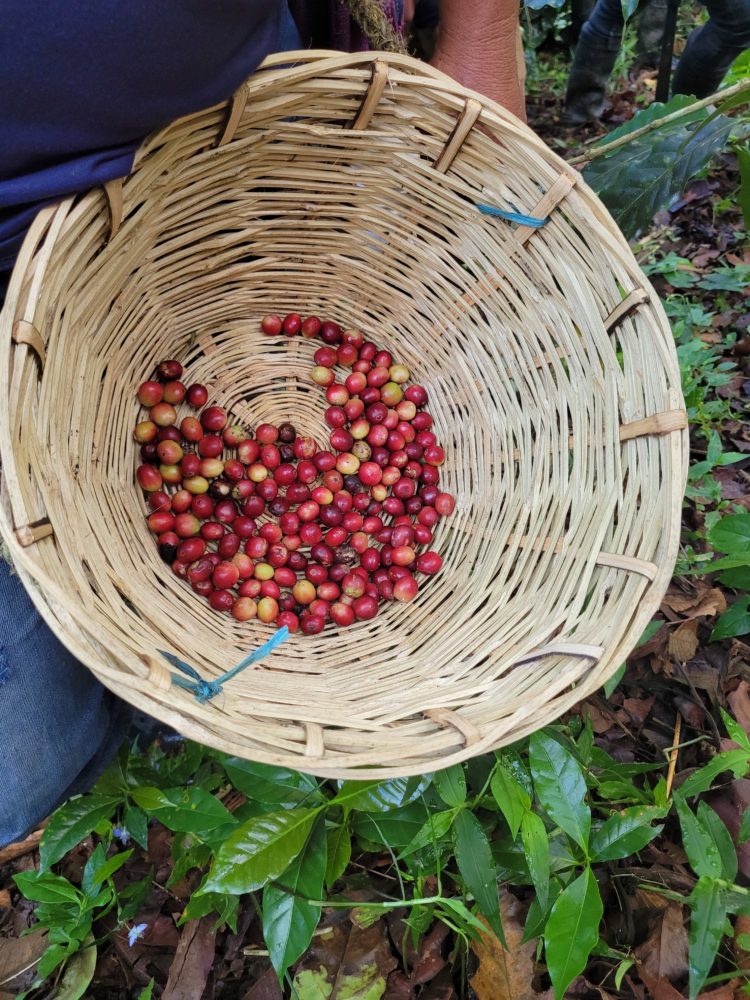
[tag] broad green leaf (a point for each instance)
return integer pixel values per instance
(736, 731)
(706, 930)
(379, 796)
(78, 974)
(700, 847)
(258, 851)
(629, 8)
(273, 785)
(289, 920)
(435, 827)
(639, 178)
(734, 621)
(744, 833)
(45, 887)
(512, 799)
(224, 905)
(54, 956)
(135, 822)
(536, 918)
(536, 850)
(451, 785)
(110, 866)
(560, 786)
(731, 534)
(71, 823)
(393, 830)
(625, 833)
(96, 859)
(736, 761)
(737, 578)
(338, 852)
(721, 838)
(148, 992)
(743, 195)
(186, 810)
(572, 930)
(477, 867)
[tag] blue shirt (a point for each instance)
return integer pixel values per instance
(82, 82)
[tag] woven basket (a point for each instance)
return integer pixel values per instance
(347, 186)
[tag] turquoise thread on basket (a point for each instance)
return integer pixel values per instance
(205, 690)
(522, 220)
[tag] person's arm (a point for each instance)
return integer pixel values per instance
(478, 45)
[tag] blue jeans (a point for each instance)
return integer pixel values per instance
(59, 727)
(709, 52)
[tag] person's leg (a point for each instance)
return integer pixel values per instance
(651, 18)
(59, 727)
(595, 55)
(712, 48)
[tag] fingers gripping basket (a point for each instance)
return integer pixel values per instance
(349, 186)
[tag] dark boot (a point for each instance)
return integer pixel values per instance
(595, 55)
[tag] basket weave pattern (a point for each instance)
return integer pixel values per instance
(347, 186)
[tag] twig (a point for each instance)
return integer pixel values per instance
(21, 847)
(371, 18)
(673, 754)
(719, 97)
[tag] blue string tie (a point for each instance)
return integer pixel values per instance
(521, 220)
(205, 690)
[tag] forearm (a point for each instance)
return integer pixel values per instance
(478, 44)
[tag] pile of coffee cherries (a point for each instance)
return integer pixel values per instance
(273, 526)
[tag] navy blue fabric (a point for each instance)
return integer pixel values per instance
(82, 83)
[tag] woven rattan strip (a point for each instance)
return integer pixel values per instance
(556, 395)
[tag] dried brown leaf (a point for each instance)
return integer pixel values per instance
(664, 953)
(19, 955)
(430, 960)
(739, 702)
(659, 988)
(265, 988)
(683, 642)
(506, 973)
(712, 603)
(638, 709)
(192, 962)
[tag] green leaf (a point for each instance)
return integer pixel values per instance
(736, 732)
(639, 178)
(258, 851)
(560, 786)
(289, 920)
(451, 785)
(536, 850)
(625, 833)
(629, 8)
(731, 534)
(744, 832)
(700, 847)
(71, 823)
(54, 956)
(45, 887)
(736, 761)
(477, 867)
(512, 799)
(706, 930)
(536, 918)
(223, 904)
(393, 830)
(338, 852)
(110, 866)
(273, 785)
(435, 827)
(572, 930)
(734, 621)
(379, 796)
(135, 822)
(148, 992)
(617, 676)
(96, 859)
(721, 838)
(743, 195)
(185, 810)
(78, 973)
(737, 578)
